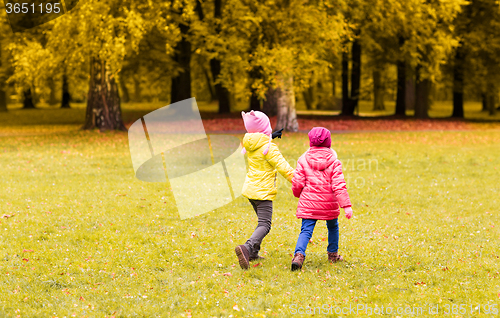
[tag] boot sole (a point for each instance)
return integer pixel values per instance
(244, 263)
(296, 267)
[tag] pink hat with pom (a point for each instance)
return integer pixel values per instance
(320, 137)
(257, 122)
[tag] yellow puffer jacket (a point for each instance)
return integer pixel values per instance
(260, 182)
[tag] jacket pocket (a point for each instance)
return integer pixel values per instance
(275, 176)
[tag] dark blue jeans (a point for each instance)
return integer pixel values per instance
(306, 232)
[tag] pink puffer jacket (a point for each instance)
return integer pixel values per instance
(319, 184)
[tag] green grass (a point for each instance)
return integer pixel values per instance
(88, 239)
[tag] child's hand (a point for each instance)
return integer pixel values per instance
(348, 212)
(277, 134)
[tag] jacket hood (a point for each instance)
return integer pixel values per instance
(253, 141)
(320, 158)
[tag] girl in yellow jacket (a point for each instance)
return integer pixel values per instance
(265, 160)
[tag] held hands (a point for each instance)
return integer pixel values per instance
(348, 212)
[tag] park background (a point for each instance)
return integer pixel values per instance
(409, 90)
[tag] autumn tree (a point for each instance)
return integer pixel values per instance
(279, 44)
(3, 77)
(96, 33)
(482, 44)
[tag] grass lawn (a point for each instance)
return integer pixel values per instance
(86, 239)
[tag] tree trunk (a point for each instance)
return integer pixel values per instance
(209, 85)
(458, 83)
(484, 101)
(254, 74)
(410, 93)
(221, 93)
(66, 97)
(401, 92)
(401, 89)
(103, 103)
(125, 95)
(3, 99)
(333, 78)
(137, 88)
(378, 90)
(355, 75)
(492, 99)
(52, 95)
(28, 99)
(346, 101)
(181, 84)
(254, 101)
(310, 97)
(422, 91)
(270, 105)
(3, 93)
(287, 116)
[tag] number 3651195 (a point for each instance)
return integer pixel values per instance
(32, 8)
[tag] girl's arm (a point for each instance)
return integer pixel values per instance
(299, 180)
(275, 158)
(339, 186)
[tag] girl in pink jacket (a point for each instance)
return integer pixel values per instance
(319, 184)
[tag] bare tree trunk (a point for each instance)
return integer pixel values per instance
(422, 91)
(28, 99)
(270, 105)
(66, 97)
(103, 103)
(378, 90)
(287, 116)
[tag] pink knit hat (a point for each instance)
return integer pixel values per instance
(320, 137)
(257, 122)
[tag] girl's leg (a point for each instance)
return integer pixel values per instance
(305, 235)
(264, 211)
(333, 235)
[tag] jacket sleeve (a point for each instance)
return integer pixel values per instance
(275, 158)
(299, 180)
(339, 186)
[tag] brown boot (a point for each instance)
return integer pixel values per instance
(297, 261)
(335, 257)
(243, 256)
